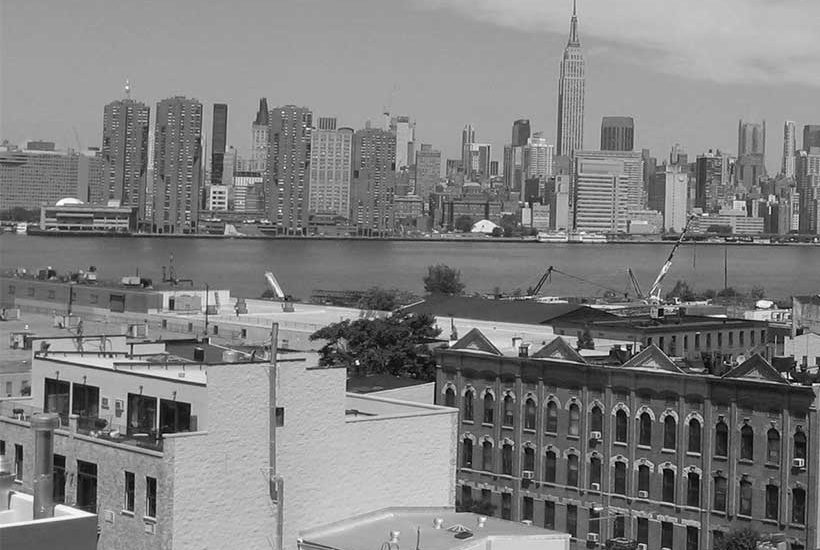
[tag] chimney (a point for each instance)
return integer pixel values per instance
(6, 481)
(43, 425)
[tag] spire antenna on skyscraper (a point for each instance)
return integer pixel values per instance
(573, 27)
(127, 89)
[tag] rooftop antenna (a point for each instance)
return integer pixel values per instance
(127, 89)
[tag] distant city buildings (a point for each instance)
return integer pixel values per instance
(601, 193)
(538, 157)
(751, 153)
(259, 138)
(373, 181)
(405, 131)
(712, 180)
(675, 196)
(617, 133)
(428, 171)
(287, 176)
(811, 136)
(571, 92)
(331, 150)
(219, 135)
(789, 149)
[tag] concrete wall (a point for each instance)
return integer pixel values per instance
(55, 295)
(12, 383)
(806, 345)
(420, 393)
(62, 531)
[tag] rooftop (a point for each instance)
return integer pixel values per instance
(430, 529)
(379, 382)
(19, 530)
(647, 322)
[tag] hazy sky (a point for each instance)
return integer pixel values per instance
(687, 71)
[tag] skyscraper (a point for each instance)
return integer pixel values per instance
(675, 195)
(630, 167)
(219, 136)
(405, 131)
(477, 161)
(538, 157)
(811, 136)
(428, 171)
(330, 167)
(287, 181)
(373, 183)
(177, 165)
(807, 175)
(711, 181)
(520, 132)
(617, 133)
(601, 192)
(125, 153)
(467, 138)
(751, 153)
(571, 94)
(259, 138)
(789, 149)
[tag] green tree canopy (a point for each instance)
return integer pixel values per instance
(382, 299)
(388, 345)
(443, 279)
(585, 341)
(681, 290)
(744, 538)
(464, 224)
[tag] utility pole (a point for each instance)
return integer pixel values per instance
(207, 291)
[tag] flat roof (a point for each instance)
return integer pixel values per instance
(373, 529)
(358, 406)
(502, 311)
(646, 322)
(380, 382)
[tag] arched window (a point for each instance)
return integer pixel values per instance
(719, 503)
(595, 472)
(799, 506)
(572, 470)
(747, 443)
(800, 445)
(469, 396)
(643, 480)
(507, 459)
(450, 397)
(773, 446)
(549, 467)
(529, 459)
(529, 414)
(693, 489)
(721, 439)
(574, 420)
(619, 482)
(772, 502)
(668, 494)
(467, 453)
(489, 408)
(620, 426)
(670, 432)
(509, 410)
(552, 418)
(694, 435)
(745, 497)
(487, 456)
(596, 419)
(645, 429)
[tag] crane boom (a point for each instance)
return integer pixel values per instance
(544, 278)
(274, 285)
(654, 294)
(635, 284)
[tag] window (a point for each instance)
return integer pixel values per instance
(552, 418)
(594, 521)
(693, 489)
(800, 445)
(747, 441)
(56, 398)
(668, 485)
(151, 497)
(507, 459)
(128, 501)
(572, 520)
(745, 508)
(596, 420)
(772, 502)
(643, 531)
(620, 426)
(506, 505)
(466, 496)
(645, 429)
(708, 341)
(720, 339)
(752, 337)
(667, 534)
(18, 462)
(741, 334)
(468, 405)
(450, 397)
(489, 405)
(643, 478)
(174, 416)
(721, 439)
(574, 420)
(549, 514)
(694, 436)
(692, 536)
(719, 503)
(731, 338)
(549, 467)
(529, 459)
(58, 491)
(87, 486)
(670, 432)
(620, 478)
(572, 470)
(509, 406)
(798, 506)
(529, 414)
(527, 509)
(467, 453)
(142, 414)
(85, 400)
(487, 456)
(619, 527)
(697, 341)
(487, 497)
(595, 471)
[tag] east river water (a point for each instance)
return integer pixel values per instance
(304, 265)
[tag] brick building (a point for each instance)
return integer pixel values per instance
(648, 448)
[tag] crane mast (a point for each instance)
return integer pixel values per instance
(654, 294)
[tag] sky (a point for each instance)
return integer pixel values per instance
(686, 71)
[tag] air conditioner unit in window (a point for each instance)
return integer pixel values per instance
(527, 474)
(643, 494)
(596, 436)
(595, 486)
(592, 537)
(641, 546)
(799, 463)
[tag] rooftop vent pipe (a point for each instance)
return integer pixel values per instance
(44, 425)
(6, 481)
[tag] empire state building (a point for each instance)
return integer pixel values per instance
(571, 94)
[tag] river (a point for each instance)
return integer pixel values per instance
(304, 265)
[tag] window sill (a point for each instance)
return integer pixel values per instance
(507, 427)
(719, 513)
(746, 461)
(644, 447)
(127, 513)
(693, 453)
(575, 437)
(466, 421)
(744, 517)
(666, 450)
(721, 458)
(620, 443)
(487, 424)
(800, 526)
(552, 434)
(18, 481)
(149, 519)
(769, 521)
(529, 430)
(774, 465)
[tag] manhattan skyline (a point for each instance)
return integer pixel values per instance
(433, 61)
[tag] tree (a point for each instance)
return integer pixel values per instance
(728, 292)
(681, 290)
(443, 279)
(382, 299)
(464, 224)
(389, 345)
(585, 341)
(509, 223)
(758, 292)
(744, 538)
(498, 232)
